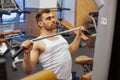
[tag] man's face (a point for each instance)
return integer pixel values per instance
(48, 21)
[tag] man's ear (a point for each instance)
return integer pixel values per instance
(40, 23)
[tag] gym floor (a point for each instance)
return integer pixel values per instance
(18, 74)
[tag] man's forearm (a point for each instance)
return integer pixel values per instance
(73, 47)
(26, 64)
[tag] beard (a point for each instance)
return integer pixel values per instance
(50, 27)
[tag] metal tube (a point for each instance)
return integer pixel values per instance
(59, 33)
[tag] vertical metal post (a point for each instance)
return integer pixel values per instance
(104, 40)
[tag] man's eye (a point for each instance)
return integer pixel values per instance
(49, 18)
(53, 17)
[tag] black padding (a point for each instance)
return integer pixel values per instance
(3, 73)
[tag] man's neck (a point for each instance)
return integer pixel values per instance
(48, 32)
(45, 32)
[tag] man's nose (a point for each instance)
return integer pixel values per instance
(53, 19)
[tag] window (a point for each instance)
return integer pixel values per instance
(11, 18)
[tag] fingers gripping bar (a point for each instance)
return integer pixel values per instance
(44, 37)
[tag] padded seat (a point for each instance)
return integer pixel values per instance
(83, 60)
(2, 40)
(10, 32)
(86, 76)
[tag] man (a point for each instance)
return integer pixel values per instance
(53, 53)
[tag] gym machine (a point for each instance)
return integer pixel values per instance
(87, 64)
(85, 61)
(3, 46)
(94, 18)
(10, 45)
(8, 38)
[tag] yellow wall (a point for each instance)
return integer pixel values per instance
(83, 8)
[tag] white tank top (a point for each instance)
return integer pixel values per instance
(57, 58)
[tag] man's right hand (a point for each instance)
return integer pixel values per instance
(28, 44)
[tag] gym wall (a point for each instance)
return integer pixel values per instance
(69, 15)
(83, 8)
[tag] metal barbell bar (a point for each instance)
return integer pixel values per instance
(44, 37)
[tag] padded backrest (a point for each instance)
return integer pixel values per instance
(42, 75)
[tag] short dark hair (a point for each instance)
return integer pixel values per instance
(39, 14)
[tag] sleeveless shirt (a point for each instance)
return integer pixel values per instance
(57, 58)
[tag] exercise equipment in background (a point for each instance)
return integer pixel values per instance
(9, 37)
(3, 47)
(87, 64)
(10, 45)
(85, 61)
(64, 25)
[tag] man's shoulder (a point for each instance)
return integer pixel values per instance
(40, 45)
